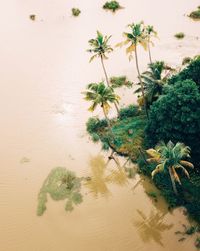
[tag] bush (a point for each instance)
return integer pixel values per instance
(176, 116)
(179, 35)
(112, 5)
(128, 112)
(192, 71)
(117, 82)
(75, 12)
(186, 60)
(94, 124)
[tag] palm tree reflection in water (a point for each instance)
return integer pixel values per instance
(102, 176)
(151, 228)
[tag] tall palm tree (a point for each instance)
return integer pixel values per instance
(99, 48)
(153, 82)
(169, 158)
(99, 94)
(150, 33)
(137, 36)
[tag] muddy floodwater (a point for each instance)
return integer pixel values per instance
(44, 67)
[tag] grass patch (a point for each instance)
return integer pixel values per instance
(112, 5)
(76, 12)
(61, 184)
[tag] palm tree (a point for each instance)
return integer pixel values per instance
(169, 158)
(150, 33)
(153, 82)
(99, 94)
(137, 36)
(100, 47)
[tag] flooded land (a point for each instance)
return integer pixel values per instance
(44, 67)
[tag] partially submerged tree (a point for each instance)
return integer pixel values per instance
(170, 157)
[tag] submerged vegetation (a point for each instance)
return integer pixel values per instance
(179, 35)
(76, 12)
(195, 14)
(61, 184)
(112, 5)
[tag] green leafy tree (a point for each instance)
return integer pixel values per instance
(136, 36)
(150, 34)
(176, 116)
(101, 95)
(169, 157)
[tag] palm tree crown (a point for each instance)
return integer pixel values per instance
(101, 95)
(99, 46)
(169, 158)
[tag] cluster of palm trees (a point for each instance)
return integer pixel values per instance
(103, 95)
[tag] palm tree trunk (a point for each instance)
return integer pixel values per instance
(104, 70)
(173, 181)
(106, 117)
(149, 50)
(141, 83)
(108, 83)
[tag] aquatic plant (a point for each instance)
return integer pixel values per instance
(112, 5)
(121, 81)
(169, 157)
(195, 14)
(179, 35)
(75, 12)
(32, 17)
(61, 184)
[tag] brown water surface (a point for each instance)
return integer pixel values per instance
(43, 69)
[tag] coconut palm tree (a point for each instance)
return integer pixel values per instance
(169, 158)
(99, 48)
(150, 33)
(153, 81)
(137, 36)
(99, 94)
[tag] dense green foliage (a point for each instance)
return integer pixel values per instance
(112, 5)
(60, 184)
(192, 71)
(176, 116)
(75, 12)
(129, 112)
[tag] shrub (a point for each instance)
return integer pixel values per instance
(192, 71)
(75, 12)
(186, 60)
(176, 116)
(117, 82)
(94, 124)
(128, 112)
(180, 35)
(112, 5)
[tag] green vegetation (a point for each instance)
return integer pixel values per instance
(186, 60)
(112, 5)
(179, 35)
(195, 14)
(60, 184)
(118, 82)
(150, 33)
(32, 17)
(76, 12)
